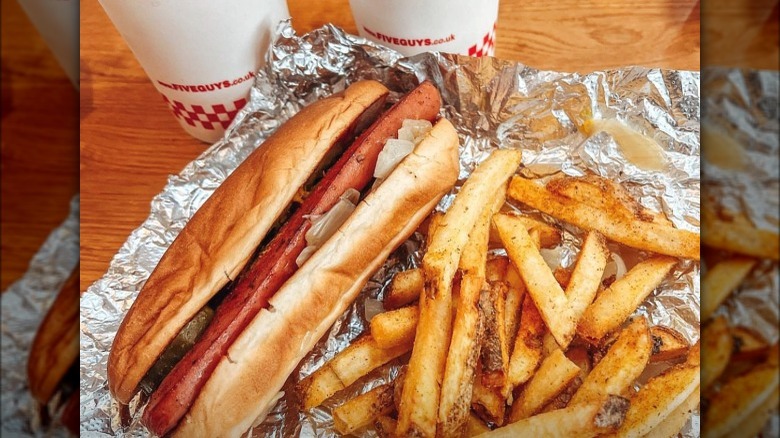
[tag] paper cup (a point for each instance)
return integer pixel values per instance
(58, 23)
(465, 27)
(201, 55)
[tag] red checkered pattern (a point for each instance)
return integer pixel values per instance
(486, 47)
(213, 118)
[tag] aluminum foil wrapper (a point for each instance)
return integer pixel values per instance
(494, 104)
(24, 305)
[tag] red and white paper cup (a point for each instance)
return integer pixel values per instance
(201, 55)
(465, 27)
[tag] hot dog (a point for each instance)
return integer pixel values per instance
(52, 365)
(267, 291)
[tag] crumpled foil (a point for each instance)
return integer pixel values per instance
(24, 305)
(494, 104)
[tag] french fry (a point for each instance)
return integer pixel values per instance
(358, 359)
(580, 357)
(623, 363)
(363, 409)
(748, 344)
(475, 426)
(737, 234)
(635, 231)
(547, 294)
(420, 399)
(405, 288)
(738, 398)
(512, 305)
(658, 398)
(615, 304)
(548, 235)
(488, 403)
(468, 328)
(586, 277)
(671, 426)
(495, 358)
(394, 328)
(667, 344)
(495, 268)
(385, 426)
(720, 281)
(585, 420)
(554, 374)
(717, 345)
(527, 352)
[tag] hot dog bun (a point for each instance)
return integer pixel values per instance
(245, 384)
(223, 233)
(56, 345)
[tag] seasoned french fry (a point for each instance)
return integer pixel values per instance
(547, 294)
(468, 328)
(354, 362)
(580, 357)
(584, 420)
(737, 234)
(667, 344)
(720, 281)
(586, 277)
(405, 288)
(615, 304)
(495, 268)
(634, 231)
(394, 328)
(548, 236)
(675, 421)
(385, 426)
(475, 426)
(495, 358)
(527, 352)
(738, 398)
(717, 345)
(748, 345)
(623, 363)
(488, 403)
(363, 409)
(554, 374)
(420, 399)
(512, 305)
(658, 398)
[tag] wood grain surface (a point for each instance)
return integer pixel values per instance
(130, 143)
(39, 142)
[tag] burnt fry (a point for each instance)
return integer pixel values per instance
(667, 344)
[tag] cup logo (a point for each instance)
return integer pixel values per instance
(209, 117)
(486, 46)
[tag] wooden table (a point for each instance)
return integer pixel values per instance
(39, 142)
(129, 146)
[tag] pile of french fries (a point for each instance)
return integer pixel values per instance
(739, 367)
(504, 345)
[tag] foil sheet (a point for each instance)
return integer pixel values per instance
(494, 104)
(24, 305)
